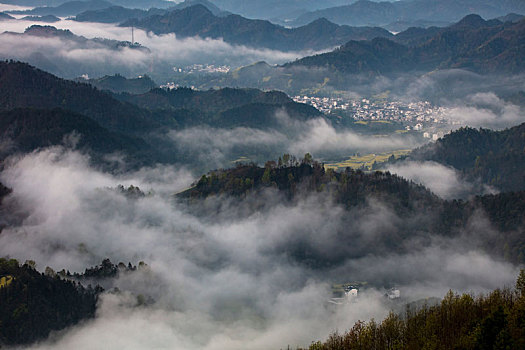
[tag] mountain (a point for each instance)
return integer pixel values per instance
(472, 43)
(223, 108)
(40, 110)
(45, 19)
(118, 84)
(67, 9)
(209, 5)
(45, 56)
(34, 304)
(423, 213)
(143, 4)
(115, 14)
(473, 48)
(400, 26)
(276, 9)
(372, 13)
(378, 55)
(4, 16)
(28, 129)
(495, 157)
(65, 34)
(199, 21)
(118, 14)
(511, 17)
(23, 86)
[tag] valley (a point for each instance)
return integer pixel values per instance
(224, 174)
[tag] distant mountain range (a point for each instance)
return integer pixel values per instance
(46, 58)
(67, 8)
(472, 43)
(45, 19)
(143, 4)
(276, 9)
(118, 84)
(372, 13)
(38, 109)
(5, 16)
(199, 21)
(118, 14)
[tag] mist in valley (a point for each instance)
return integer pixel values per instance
(228, 278)
(255, 271)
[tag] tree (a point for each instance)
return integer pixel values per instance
(308, 159)
(520, 283)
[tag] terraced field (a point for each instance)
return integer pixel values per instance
(366, 161)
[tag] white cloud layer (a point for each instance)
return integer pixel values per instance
(223, 281)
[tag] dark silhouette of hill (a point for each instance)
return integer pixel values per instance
(23, 86)
(225, 107)
(34, 304)
(66, 9)
(115, 14)
(382, 13)
(473, 43)
(118, 84)
(494, 157)
(5, 16)
(141, 4)
(45, 19)
(423, 213)
(28, 129)
(134, 126)
(118, 14)
(199, 21)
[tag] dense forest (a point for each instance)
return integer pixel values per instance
(198, 20)
(135, 126)
(497, 158)
(423, 212)
(472, 43)
(118, 84)
(33, 304)
(493, 321)
(22, 86)
(224, 108)
(31, 128)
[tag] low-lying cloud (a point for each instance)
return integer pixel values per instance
(444, 181)
(486, 110)
(224, 280)
(167, 51)
(216, 147)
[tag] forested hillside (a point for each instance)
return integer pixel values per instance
(472, 43)
(496, 158)
(423, 213)
(493, 321)
(200, 21)
(225, 107)
(28, 129)
(34, 304)
(22, 85)
(132, 125)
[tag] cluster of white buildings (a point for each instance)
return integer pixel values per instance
(202, 68)
(365, 109)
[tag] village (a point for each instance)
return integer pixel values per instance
(417, 116)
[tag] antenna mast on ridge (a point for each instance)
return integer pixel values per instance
(132, 36)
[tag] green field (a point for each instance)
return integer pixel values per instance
(366, 161)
